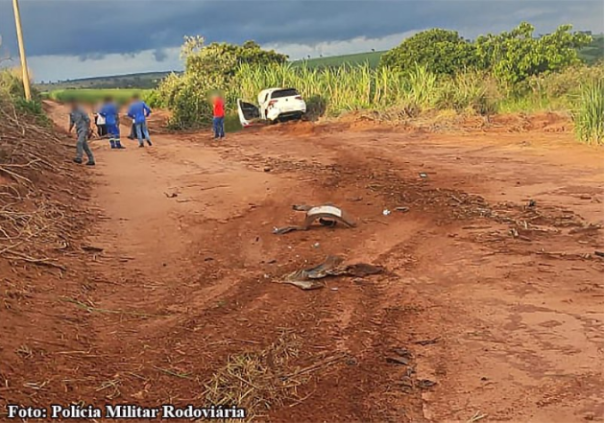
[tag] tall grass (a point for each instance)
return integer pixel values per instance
(12, 92)
(348, 88)
(588, 117)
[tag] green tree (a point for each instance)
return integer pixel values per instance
(438, 50)
(218, 61)
(516, 55)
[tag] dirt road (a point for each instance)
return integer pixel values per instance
(491, 307)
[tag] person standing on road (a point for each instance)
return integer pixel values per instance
(133, 131)
(100, 123)
(138, 112)
(79, 119)
(109, 111)
(218, 116)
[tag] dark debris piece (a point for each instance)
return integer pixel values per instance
(332, 266)
(425, 383)
(398, 360)
(425, 342)
(402, 352)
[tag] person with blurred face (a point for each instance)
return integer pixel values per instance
(100, 123)
(78, 118)
(138, 112)
(218, 116)
(109, 111)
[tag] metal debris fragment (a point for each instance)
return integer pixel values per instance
(425, 342)
(327, 214)
(398, 360)
(425, 383)
(306, 279)
(402, 352)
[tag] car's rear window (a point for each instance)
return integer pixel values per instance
(286, 92)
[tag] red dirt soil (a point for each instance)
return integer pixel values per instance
(499, 303)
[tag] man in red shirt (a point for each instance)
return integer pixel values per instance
(218, 116)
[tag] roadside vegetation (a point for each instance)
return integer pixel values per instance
(588, 116)
(12, 94)
(34, 215)
(417, 90)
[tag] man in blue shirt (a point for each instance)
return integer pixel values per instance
(138, 112)
(109, 111)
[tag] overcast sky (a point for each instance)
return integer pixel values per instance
(82, 38)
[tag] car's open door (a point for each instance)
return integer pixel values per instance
(248, 113)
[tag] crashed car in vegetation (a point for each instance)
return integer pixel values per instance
(275, 104)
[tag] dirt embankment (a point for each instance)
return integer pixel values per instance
(45, 215)
(490, 297)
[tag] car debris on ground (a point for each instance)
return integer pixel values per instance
(398, 360)
(425, 342)
(327, 215)
(307, 279)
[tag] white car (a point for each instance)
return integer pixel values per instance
(275, 104)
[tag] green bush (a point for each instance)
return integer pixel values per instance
(152, 98)
(440, 50)
(517, 55)
(470, 92)
(511, 56)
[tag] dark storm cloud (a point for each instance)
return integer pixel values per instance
(91, 28)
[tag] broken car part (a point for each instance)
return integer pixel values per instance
(327, 214)
(306, 279)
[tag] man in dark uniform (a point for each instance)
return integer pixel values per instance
(79, 119)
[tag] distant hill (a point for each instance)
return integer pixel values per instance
(135, 80)
(151, 79)
(371, 57)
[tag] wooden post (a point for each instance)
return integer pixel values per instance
(28, 94)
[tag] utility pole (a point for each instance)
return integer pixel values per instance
(28, 93)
